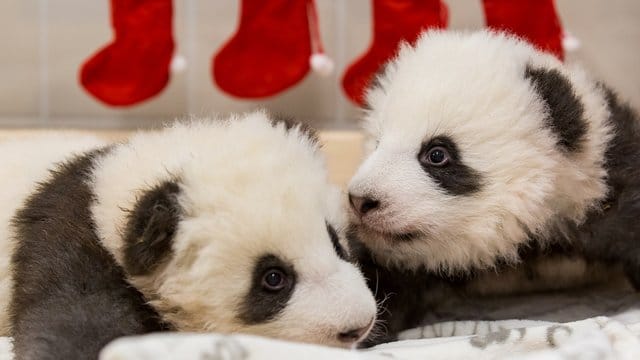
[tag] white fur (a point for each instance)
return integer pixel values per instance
(471, 87)
(247, 189)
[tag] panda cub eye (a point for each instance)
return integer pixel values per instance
(435, 156)
(274, 279)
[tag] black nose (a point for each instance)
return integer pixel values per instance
(362, 204)
(353, 335)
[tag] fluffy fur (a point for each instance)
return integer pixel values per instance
(555, 156)
(191, 217)
(539, 191)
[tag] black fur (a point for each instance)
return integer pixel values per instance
(455, 177)
(335, 241)
(612, 232)
(70, 298)
(566, 113)
(260, 305)
(150, 229)
(289, 123)
(408, 298)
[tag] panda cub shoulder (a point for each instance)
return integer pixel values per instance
(225, 226)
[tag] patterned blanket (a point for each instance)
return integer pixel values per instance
(594, 323)
(596, 338)
(549, 333)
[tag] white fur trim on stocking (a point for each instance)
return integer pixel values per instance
(321, 63)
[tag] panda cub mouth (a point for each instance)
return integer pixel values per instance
(366, 231)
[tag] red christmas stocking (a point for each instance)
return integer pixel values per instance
(393, 22)
(271, 49)
(534, 20)
(135, 66)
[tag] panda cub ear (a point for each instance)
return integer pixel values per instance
(150, 228)
(290, 123)
(565, 110)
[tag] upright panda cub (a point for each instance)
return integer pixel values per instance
(484, 151)
(204, 226)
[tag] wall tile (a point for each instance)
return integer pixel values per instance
(19, 58)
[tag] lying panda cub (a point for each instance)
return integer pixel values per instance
(483, 152)
(225, 227)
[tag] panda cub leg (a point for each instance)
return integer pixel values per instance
(632, 270)
(614, 236)
(626, 242)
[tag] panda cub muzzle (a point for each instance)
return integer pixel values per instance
(376, 210)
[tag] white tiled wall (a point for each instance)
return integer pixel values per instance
(19, 58)
(43, 43)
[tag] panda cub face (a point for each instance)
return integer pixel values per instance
(476, 141)
(239, 233)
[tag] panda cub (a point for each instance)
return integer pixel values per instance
(483, 151)
(203, 226)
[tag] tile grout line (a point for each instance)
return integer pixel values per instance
(44, 61)
(340, 45)
(191, 53)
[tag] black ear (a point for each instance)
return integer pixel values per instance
(150, 228)
(566, 112)
(289, 123)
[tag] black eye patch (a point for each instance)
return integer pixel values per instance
(335, 240)
(261, 303)
(454, 176)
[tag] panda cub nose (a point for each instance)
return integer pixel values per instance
(363, 204)
(353, 335)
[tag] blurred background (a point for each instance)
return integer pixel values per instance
(43, 44)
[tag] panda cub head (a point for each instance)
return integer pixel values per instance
(233, 228)
(477, 143)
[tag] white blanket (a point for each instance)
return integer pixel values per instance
(555, 329)
(547, 334)
(597, 338)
